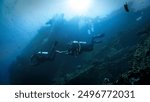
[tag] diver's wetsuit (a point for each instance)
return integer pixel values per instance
(41, 57)
(74, 48)
(88, 46)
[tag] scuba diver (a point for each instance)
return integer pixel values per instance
(75, 49)
(41, 57)
(78, 47)
(126, 7)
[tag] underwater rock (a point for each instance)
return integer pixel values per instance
(140, 72)
(145, 31)
(141, 56)
(79, 66)
(135, 77)
(107, 81)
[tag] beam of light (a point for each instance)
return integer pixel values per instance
(79, 6)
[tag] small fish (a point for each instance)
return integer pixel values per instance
(139, 18)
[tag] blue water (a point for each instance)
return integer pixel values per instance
(17, 45)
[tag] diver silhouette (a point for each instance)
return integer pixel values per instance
(126, 7)
(41, 57)
(78, 47)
